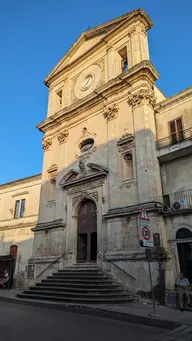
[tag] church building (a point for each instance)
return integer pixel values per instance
(113, 142)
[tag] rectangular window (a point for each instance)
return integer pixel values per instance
(19, 208)
(176, 130)
(17, 205)
(22, 210)
(124, 59)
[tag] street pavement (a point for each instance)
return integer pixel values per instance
(21, 323)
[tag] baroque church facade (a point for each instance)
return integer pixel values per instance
(112, 143)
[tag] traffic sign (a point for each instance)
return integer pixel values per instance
(146, 233)
(145, 229)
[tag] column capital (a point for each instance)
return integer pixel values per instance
(137, 98)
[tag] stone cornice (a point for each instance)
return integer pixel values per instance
(180, 96)
(21, 181)
(117, 23)
(49, 225)
(142, 70)
(18, 226)
(152, 206)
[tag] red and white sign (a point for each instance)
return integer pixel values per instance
(145, 228)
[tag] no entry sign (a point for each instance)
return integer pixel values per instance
(145, 228)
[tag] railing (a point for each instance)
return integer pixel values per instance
(118, 267)
(48, 266)
(175, 138)
(177, 201)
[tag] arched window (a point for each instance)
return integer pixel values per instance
(183, 234)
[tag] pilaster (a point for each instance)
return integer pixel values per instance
(148, 171)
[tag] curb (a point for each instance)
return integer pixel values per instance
(97, 312)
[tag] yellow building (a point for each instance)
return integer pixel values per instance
(19, 203)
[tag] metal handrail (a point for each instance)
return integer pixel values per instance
(177, 137)
(47, 267)
(108, 260)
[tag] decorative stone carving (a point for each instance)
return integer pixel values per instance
(52, 171)
(82, 166)
(128, 184)
(101, 64)
(46, 144)
(86, 186)
(109, 47)
(103, 200)
(85, 155)
(62, 137)
(126, 146)
(126, 135)
(111, 112)
(132, 31)
(51, 203)
(77, 199)
(143, 94)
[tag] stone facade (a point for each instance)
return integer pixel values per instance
(105, 114)
(16, 224)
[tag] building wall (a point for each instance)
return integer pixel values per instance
(17, 231)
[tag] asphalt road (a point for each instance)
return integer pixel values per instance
(24, 323)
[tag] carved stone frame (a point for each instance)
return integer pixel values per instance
(94, 190)
(127, 145)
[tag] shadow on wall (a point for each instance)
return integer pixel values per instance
(116, 175)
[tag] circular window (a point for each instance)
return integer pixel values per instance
(128, 157)
(86, 145)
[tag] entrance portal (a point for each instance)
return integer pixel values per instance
(87, 232)
(184, 247)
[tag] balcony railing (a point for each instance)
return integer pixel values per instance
(177, 201)
(175, 138)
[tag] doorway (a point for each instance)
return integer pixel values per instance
(87, 232)
(184, 247)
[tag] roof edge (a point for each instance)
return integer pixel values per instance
(21, 180)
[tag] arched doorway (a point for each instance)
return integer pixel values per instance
(184, 247)
(87, 232)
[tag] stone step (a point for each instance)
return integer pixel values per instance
(80, 280)
(81, 289)
(78, 272)
(79, 285)
(77, 276)
(87, 300)
(78, 295)
(82, 284)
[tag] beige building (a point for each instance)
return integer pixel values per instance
(19, 203)
(112, 143)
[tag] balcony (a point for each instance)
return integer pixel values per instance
(174, 146)
(177, 203)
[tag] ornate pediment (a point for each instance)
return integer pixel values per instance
(87, 172)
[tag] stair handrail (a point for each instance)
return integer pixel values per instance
(108, 260)
(47, 267)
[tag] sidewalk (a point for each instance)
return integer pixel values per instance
(132, 312)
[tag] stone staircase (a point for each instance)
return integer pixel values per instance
(81, 283)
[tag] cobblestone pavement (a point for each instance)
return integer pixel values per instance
(21, 323)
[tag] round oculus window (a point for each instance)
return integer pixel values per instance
(86, 145)
(127, 157)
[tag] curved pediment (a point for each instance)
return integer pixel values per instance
(68, 177)
(88, 172)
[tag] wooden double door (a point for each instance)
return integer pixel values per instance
(87, 232)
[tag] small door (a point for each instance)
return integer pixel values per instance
(82, 247)
(87, 232)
